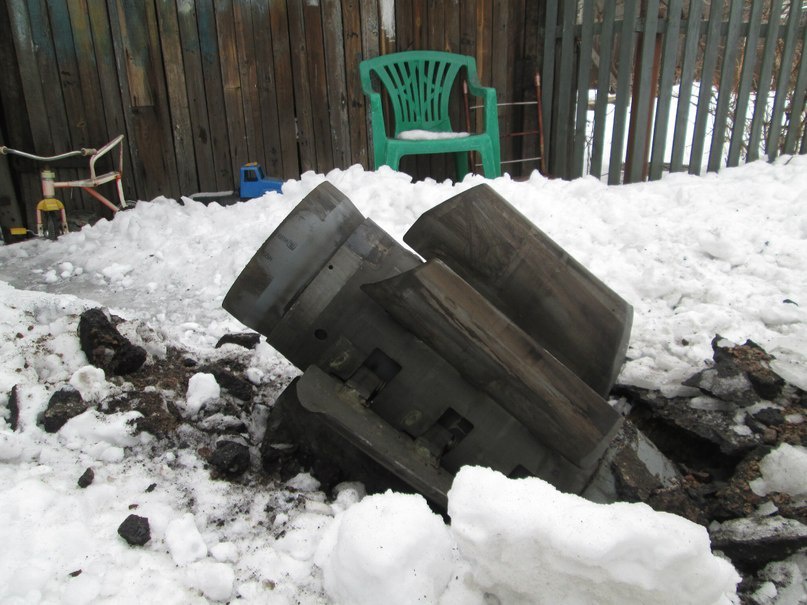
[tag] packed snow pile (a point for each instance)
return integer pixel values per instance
(529, 543)
(696, 257)
(387, 540)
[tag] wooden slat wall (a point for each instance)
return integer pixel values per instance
(738, 53)
(199, 87)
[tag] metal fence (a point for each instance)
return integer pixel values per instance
(636, 88)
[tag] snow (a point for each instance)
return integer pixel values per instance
(387, 540)
(529, 543)
(695, 256)
(184, 541)
(429, 135)
(783, 470)
(202, 388)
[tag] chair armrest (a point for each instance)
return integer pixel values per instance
(490, 102)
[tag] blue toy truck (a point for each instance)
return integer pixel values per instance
(254, 183)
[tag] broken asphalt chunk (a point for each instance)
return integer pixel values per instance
(64, 404)
(248, 340)
(107, 348)
(135, 530)
(753, 542)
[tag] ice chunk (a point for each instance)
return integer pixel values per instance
(783, 470)
(184, 541)
(202, 388)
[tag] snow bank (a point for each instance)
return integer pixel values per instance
(389, 548)
(696, 256)
(529, 543)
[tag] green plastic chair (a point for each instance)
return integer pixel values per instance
(419, 84)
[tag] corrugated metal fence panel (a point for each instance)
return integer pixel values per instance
(705, 57)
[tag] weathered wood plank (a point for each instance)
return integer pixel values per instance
(435, 24)
(266, 104)
(562, 131)
(436, 166)
(386, 21)
(502, 78)
(726, 90)
(74, 112)
(231, 82)
(87, 75)
(12, 206)
(135, 175)
(247, 62)
(132, 22)
(337, 83)
(37, 62)
(302, 90)
(164, 181)
(764, 86)
(12, 95)
(477, 17)
(685, 88)
(627, 41)
(669, 55)
(641, 111)
(177, 96)
(702, 112)
(484, 41)
(360, 141)
(318, 83)
(368, 33)
(783, 81)
(108, 86)
(583, 83)
(196, 97)
(603, 87)
(749, 65)
(467, 20)
(548, 80)
(532, 51)
(797, 102)
(218, 135)
(87, 72)
(11, 211)
(803, 148)
(404, 25)
(281, 52)
(514, 93)
(18, 131)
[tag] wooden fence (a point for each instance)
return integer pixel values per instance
(727, 76)
(199, 87)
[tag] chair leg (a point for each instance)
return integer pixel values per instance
(492, 168)
(393, 160)
(461, 163)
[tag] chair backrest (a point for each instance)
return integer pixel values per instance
(419, 85)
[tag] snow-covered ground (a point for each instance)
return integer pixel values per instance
(696, 256)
